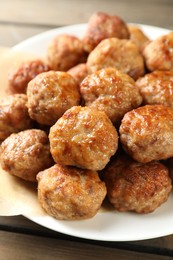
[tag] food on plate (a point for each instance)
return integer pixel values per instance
(158, 53)
(70, 193)
(121, 54)
(146, 133)
(157, 88)
(111, 91)
(14, 115)
(83, 137)
(138, 36)
(64, 52)
(50, 94)
(26, 153)
(101, 26)
(134, 186)
(79, 72)
(20, 75)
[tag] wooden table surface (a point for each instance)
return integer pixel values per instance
(19, 237)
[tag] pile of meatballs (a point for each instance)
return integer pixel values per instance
(93, 120)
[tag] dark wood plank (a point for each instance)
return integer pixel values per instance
(20, 246)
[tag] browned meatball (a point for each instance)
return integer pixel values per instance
(19, 76)
(120, 54)
(158, 54)
(102, 26)
(157, 88)
(50, 94)
(79, 72)
(26, 153)
(111, 91)
(83, 137)
(70, 193)
(14, 115)
(138, 36)
(147, 133)
(133, 186)
(64, 52)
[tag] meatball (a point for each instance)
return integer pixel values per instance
(83, 137)
(157, 88)
(64, 52)
(79, 72)
(138, 36)
(158, 54)
(26, 153)
(50, 94)
(70, 193)
(120, 54)
(146, 133)
(19, 76)
(111, 91)
(133, 186)
(102, 26)
(14, 115)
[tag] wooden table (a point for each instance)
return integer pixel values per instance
(19, 237)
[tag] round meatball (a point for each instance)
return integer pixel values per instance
(79, 72)
(133, 186)
(102, 26)
(50, 94)
(19, 76)
(111, 91)
(14, 115)
(26, 153)
(120, 54)
(64, 52)
(157, 88)
(83, 137)
(70, 193)
(138, 36)
(147, 133)
(158, 54)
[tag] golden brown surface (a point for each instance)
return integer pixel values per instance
(26, 153)
(14, 115)
(137, 36)
(117, 53)
(110, 91)
(79, 72)
(64, 52)
(19, 76)
(50, 94)
(101, 26)
(158, 54)
(157, 88)
(83, 137)
(146, 133)
(70, 193)
(133, 186)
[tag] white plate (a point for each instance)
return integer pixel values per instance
(110, 225)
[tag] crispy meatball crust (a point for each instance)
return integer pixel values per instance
(157, 88)
(64, 52)
(26, 153)
(14, 115)
(158, 54)
(102, 26)
(146, 133)
(133, 186)
(79, 72)
(70, 193)
(83, 137)
(50, 94)
(19, 76)
(120, 54)
(111, 91)
(138, 37)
